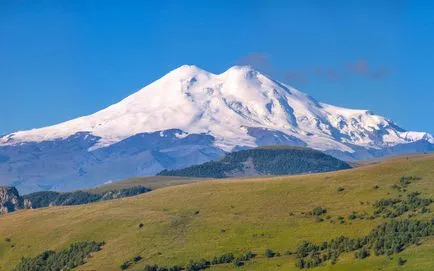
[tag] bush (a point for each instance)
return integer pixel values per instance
(204, 264)
(352, 216)
(318, 211)
(199, 265)
(401, 261)
(362, 253)
(225, 258)
(269, 253)
(247, 256)
(151, 268)
(340, 189)
(406, 180)
(125, 265)
(162, 268)
(238, 262)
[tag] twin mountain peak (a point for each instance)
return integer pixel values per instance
(190, 116)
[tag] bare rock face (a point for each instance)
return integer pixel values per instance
(27, 204)
(10, 200)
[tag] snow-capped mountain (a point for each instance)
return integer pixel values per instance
(199, 115)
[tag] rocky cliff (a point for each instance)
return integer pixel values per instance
(10, 200)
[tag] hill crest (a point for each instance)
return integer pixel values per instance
(267, 160)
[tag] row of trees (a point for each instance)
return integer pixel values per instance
(200, 264)
(386, 239)
(406, 180)
(66, 259)
(391, 208)
(162, 268)
(51, 198)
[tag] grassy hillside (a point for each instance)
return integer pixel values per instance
(207, 219)
(271, 160)
(152, 182)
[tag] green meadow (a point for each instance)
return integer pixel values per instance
(209, 218)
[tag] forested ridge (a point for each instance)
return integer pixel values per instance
(277, 160)
(52, 198)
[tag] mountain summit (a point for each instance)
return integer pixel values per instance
(198, 115)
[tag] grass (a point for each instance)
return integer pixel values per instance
(207, 219)
(152, 182)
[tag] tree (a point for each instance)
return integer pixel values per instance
(269, 253)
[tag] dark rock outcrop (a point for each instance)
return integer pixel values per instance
(10, 200)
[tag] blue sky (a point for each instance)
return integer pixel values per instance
(64, 59)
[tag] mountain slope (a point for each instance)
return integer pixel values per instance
(187, 117)
(207, 219)
(225, 106)
(278, 160)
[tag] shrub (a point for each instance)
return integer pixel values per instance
(247, 256)
(125, 265)
(401, 261)
(318, 211)
(238, 262)
(340, 189)
(362, 253)
(225, 258)
(151, 268)
(352, 216)
(199, 265)
(406, 180)
(269, 253)
(162, 268)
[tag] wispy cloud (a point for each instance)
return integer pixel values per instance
(296, 76)
(328, 73)
(363, 68)
(260, 61)
(360, 66)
